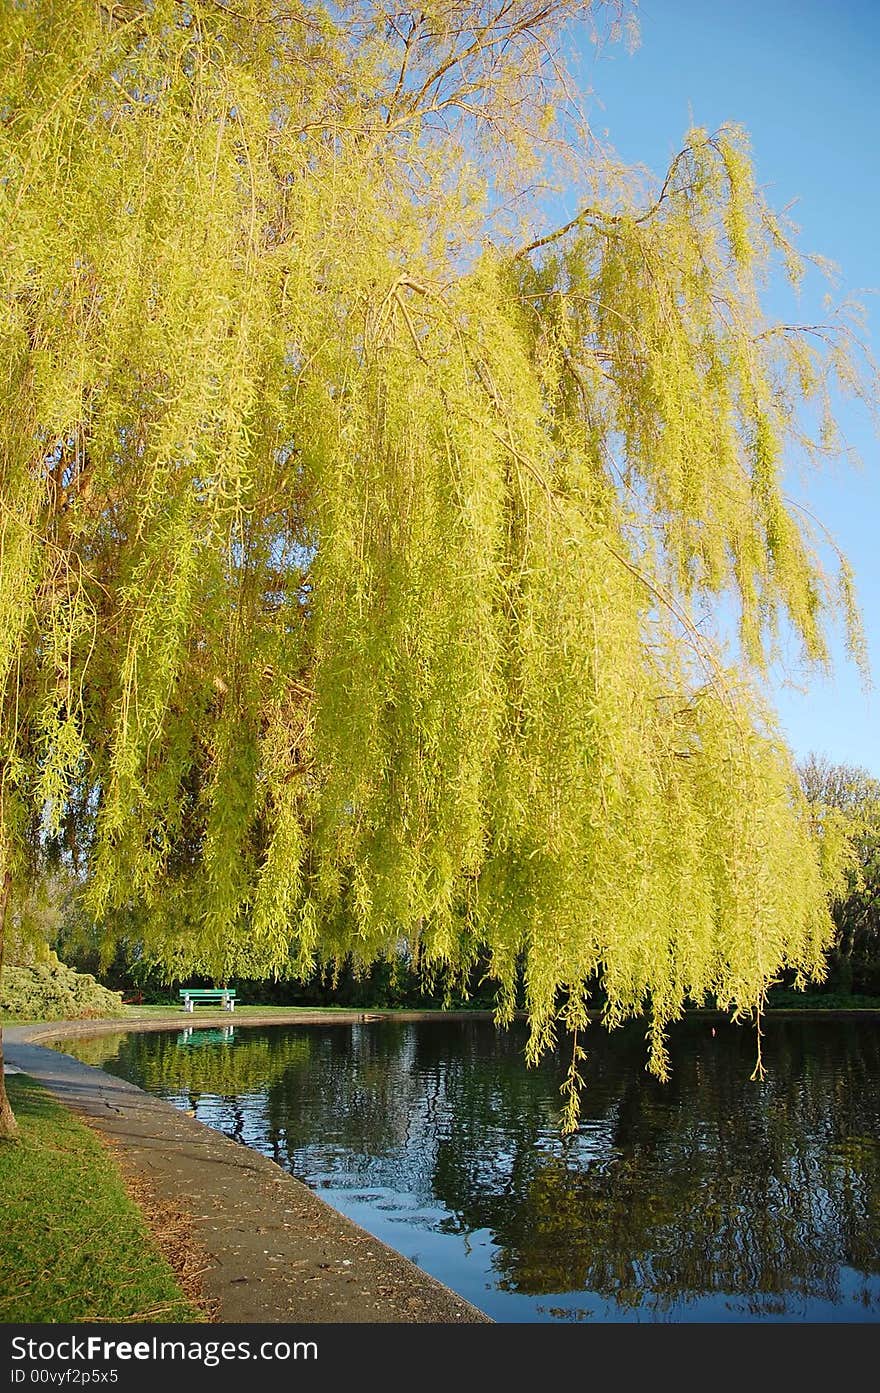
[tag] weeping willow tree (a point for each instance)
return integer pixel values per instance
(359, 527)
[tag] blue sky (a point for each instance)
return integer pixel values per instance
(803, 78)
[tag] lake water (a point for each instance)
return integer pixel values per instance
(710, 1198)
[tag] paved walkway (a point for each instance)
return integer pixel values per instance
(277, 1252)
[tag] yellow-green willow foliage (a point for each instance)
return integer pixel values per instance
(353, 537)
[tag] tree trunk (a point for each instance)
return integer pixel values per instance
(8, 1124)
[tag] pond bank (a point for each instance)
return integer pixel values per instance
(274, 1251)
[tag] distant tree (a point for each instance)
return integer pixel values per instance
(852, 794)
(358, 529)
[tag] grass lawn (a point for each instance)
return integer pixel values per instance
(175, 1008)
(280, 1013)
(148, 1012)
(73, 1245)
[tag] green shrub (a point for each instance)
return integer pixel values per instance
(52, 991)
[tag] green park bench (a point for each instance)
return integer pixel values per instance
(193, 996)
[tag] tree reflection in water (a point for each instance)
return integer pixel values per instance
(712, 1192)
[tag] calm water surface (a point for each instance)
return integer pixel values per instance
(711, 1198)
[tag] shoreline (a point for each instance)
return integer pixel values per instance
(275, 1252)
(173, 1018)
